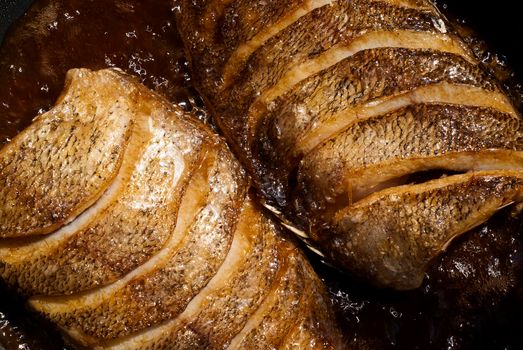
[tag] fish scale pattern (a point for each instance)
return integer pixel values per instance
(334, 105)
(172, 253)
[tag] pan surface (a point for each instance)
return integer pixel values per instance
(10, 10)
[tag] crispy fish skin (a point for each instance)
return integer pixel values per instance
(122, 236)
(265, 328)
(245, 19)
(186, 265)
(341, 21)
(133, 225)
(234, 298)
(329, 102)
(307, 308)
(175, 253)
(394, 243)
(49, 174)
(360, 79)
(299, 43)
(410, 140)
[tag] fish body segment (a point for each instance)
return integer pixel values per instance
(334, 105)
(170, 251)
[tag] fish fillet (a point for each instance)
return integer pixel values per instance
(167, 250)
(328, 103)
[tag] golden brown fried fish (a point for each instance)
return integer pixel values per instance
(143, 234)
(339, 108)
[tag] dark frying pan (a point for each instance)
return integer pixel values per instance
(498, 23)
(10, 10)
